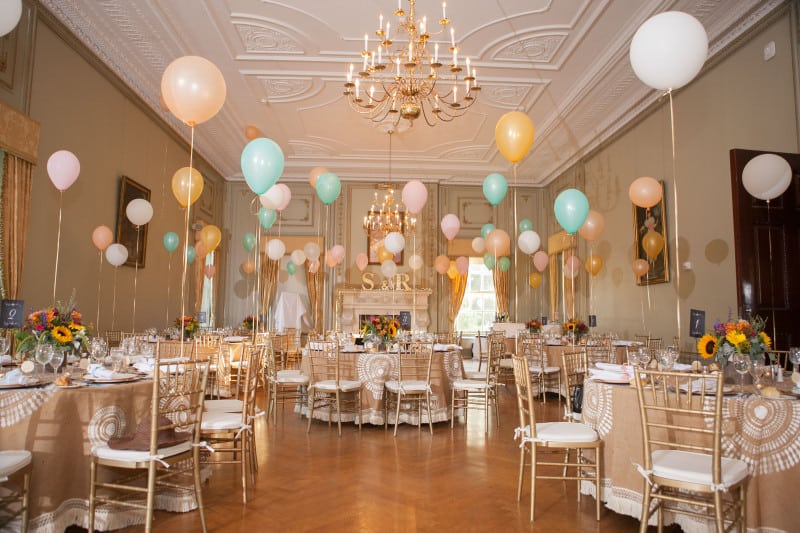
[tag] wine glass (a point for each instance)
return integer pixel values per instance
(57, 360)
(757, 370)
(667, 358)
(43, 355)
(794, 357)
(97, 349)
(3, 346)
(741, 364)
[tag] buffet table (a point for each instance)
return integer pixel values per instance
(375, 368)
(60, 426)
(763, 432)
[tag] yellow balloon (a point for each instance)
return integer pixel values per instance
(653, 243)
(594, 263)
(186, 190)
(514, 135)
(535, 279)
(210, 236)
(452, 271)
(384, 254)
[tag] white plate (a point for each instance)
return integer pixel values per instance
(73, 386)
(125, 379)
(622, 379)
(4, 386)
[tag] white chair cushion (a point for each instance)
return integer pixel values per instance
(228, 406)
(13, 460)
(406, 386)
(506, 363)
(218, 420)
(329, 385)
(468, 384)
(133, 456)
(547, 370)
(695, 467)
(291, 377)
(475, 375)
(564, 432)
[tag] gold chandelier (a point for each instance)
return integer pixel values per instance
(407, 81)
(386, 215)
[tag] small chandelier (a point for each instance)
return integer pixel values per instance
(408, 81)
(386, 216)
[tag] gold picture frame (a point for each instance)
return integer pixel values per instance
(126, 231)
(375, 240)
(643, 220)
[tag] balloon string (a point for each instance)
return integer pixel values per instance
(99, 274)
(58, 245)
(114, 302)
(324, 288)
(135, 280)
(771, 288)
(258, 261)
(516, 228)
(169, 283)
(675, 217)
(186, 242)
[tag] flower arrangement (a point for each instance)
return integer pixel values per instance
(534, 326)
(59, 326)
(575, 328)
(247, 323)
(188, 324)
(735, 336)
(383, 326)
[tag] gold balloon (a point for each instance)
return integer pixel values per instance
(252, 132)
(513, 135)
(653, 243)
(594, 263)
(211, 236)
(186, 190)
(384, 255)
(535, 279)
(452, 271)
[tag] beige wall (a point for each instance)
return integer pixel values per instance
(81, 111)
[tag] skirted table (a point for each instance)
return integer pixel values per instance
(764, 433)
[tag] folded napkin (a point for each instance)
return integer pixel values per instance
(614, 367)
(234, 339)
(681, 367)
(608, 375)
(6, 360)
(622, 343)
(701, 383)
(16, 377)
(143, 365)
(100, 372)
(445, 347)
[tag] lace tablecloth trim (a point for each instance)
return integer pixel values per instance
(19, 404)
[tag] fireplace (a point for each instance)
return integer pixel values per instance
(411, 305)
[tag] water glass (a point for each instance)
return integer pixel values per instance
(666, 358)
(756, 370)
(43, 355)
(741, 364)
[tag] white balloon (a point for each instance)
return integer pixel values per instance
(116, 254)
(9, 15)
(388, 268)
(298, 257)
(394, 242)
(139, 212)
(668, 50)
(767, 176)
(275, 249)
(529, 241)
(312, 251)
(415, 262)
(272, 198)
(479, 245)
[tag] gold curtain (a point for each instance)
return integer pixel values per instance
(458, 286)
(314, 283)
(500, 290)
(17, 178)
(269, 283)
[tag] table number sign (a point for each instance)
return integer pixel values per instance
(592, 321)
(697, 323)
(405, 319)
(12, 313)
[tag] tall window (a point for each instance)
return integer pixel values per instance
(206, 318)
(478, 308)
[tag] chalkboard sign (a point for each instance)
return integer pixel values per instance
(592, 321)
(405, 319)
(201, 317)
(697, 323)
(12, 313)
(544, 320)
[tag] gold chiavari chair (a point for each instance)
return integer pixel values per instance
(282, 386)
(533, 350)
(165, 450)
(599, 350)
(328, 387)
(558, 437)
(642, 338)
(412, 383)
(684, 469)
(480, 393)
(113, 338)
(14, 500)
(292, 353)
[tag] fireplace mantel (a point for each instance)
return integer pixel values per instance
(356, 302)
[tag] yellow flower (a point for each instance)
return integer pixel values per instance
(392, 330)
(736, 338)
(707, 346)
(76, 327)
(62, 334)
(765, 339)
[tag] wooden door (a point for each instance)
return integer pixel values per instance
(767, 245)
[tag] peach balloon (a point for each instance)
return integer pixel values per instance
(652, 243)
(535, 279)
(249, 266)
(640, 267)
(187, 190)
(102, 237)
(337, 252)
(462, 265)
(441, 264)
(200, 249)
(593, 226)
(645, 192)
(252, 132)
(541, 260)
(211, 237)
(498, 243)
(314, 174)
(193, 89)
(513, 135)
(594, 263)
(362, 261)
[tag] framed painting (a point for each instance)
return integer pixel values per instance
(374, 242)
(645, 221)
(128, 235)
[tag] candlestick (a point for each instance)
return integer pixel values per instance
(453, 37)
(366, 44)
(444, 10)
(436, 53)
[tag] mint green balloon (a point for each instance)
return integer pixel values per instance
(486, 229)
(488, 260)
(328, 187)
(571, 209)
(171, 241)
(249, 241)
(525, 225)
(504, 263)
(291, 268)
(262, 164)
(267, 217)
(191, 254)
(495, 187)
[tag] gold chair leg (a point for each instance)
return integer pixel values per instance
(198, 489)
(92, 493)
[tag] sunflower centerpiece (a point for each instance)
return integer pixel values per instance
(380, 330)
(574, 329)
(59, 326)
(735, 336)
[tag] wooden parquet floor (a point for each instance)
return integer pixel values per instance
(459, 480)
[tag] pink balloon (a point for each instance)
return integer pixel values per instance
(541, 260)
(337, 253)
(287, 196)
(462, 265)
(63, 168)
(441, 264)
(450, 226)
(415, 194)
(201, 249)
(572, 266)
(362, 261)
(209, 271)
(329, 260)
(102, 237)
